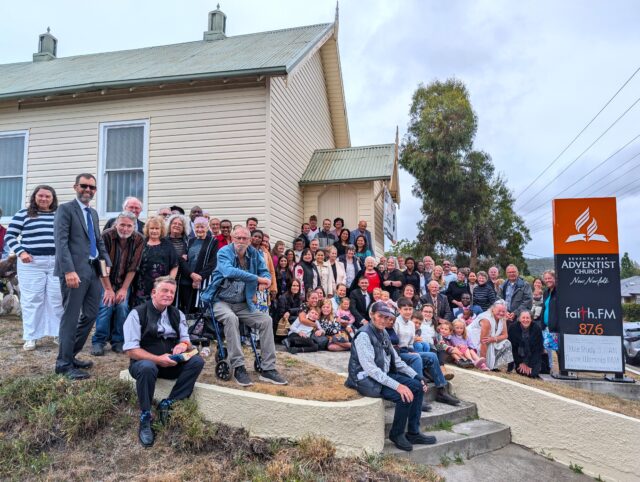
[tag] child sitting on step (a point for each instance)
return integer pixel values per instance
(465, 350)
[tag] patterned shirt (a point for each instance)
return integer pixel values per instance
(33, 235)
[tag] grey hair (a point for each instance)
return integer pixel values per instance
(395, 261)
(350, 247)
(552, 272)
(512, 266)
(185, 223)
(130, 198)
(239, 227)
(499, 303)
(163, 207)
(128, 215)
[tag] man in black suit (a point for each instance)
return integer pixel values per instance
(440, 302)
(79, 248)
(360, 302)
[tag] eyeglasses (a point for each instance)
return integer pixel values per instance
(88, 186)
(242, 238)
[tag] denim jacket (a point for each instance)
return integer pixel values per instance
(228, 267)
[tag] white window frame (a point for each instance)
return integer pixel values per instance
(102, 164)
(6, 217)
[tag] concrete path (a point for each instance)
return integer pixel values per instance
(512, 463)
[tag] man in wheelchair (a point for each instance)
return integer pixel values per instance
(240, 273)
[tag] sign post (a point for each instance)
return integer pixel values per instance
(585, 239)
(390, 218)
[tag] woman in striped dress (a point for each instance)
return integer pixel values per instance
(30, 236)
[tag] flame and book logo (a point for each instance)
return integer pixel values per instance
(591, 234)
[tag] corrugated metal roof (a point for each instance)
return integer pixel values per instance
(275, 52)
(351, 164)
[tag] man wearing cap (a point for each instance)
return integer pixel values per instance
(376, 370)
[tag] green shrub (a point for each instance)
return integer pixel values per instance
(631, 311)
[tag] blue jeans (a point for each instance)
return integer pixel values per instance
(407, 415)
(421, 346)
(412, 359)
(432, 364)
(103, 322)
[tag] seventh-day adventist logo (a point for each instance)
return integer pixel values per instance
(591, 233)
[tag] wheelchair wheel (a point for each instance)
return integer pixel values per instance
(223, 371)
(257, 364)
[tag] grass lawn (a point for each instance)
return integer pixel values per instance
(608, 402)
(53, 429)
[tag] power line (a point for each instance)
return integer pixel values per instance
(590, 146)
(628, 189)
(574, 161)
(578, 135)
(544, 215)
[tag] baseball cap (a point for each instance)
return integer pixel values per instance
(382, 308)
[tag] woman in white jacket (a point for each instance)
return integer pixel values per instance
(326, 278)
(336, 267)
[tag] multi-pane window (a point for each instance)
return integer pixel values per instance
(12, 163)
(123, 163)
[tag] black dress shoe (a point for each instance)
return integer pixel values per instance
(82, 364)
(145, 433)
(97, 349)
(74, 374)
(420, 438)
(401, 442)
(444, 397)
(117, 347)
(426, 406)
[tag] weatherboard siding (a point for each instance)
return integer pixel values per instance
(300, 122)
(377, 229)
(206, 148)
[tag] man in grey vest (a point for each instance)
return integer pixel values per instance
(376, 370)
(155, 333)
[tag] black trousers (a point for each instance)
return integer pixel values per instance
(75, 327)
(146, 373)
(306, 345)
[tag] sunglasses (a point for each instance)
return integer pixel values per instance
(88, 186)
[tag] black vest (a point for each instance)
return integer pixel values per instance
(149, 317)
(381, 345)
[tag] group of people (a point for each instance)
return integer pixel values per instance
(140, 281)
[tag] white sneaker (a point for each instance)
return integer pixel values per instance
(56, 340)
(29, 345)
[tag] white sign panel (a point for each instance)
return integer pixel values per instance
(593, 353)
(390, 219)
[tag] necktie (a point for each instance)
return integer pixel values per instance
(93, 248)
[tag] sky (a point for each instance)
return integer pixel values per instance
(537, 73)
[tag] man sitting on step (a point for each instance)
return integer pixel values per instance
(376, 370)
(154, 334)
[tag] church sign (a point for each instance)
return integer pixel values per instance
(585, 235)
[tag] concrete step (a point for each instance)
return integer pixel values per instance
(465, 440)
(441, 412)
(429, 396)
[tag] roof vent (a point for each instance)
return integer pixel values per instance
(47, 47)
(217, 25)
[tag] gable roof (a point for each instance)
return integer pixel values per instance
(367, 163)
(630, 286)
(267, 53)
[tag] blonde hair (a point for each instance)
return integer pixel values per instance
(327, 302)
(385, 294)
(155, 220)
(464, 327)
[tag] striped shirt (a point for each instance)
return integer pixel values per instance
(33, 235)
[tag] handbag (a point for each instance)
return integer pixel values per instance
(283, 327)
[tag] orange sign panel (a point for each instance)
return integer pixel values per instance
(585, 226)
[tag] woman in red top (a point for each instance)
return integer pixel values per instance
(371, 273)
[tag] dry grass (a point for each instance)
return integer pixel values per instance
(46, 433)
(306, 381)
(608, 402)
